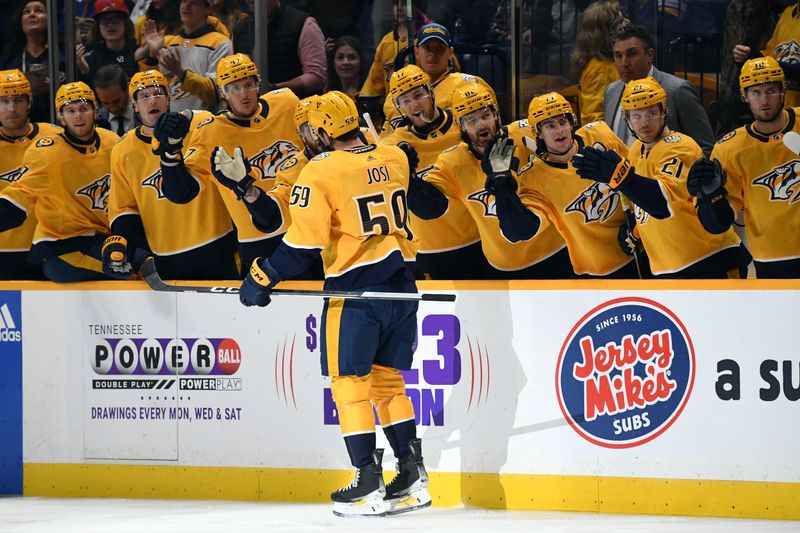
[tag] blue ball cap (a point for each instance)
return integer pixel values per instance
(433, 31)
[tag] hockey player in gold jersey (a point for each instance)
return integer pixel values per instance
(654, 178)
(270, 209)
(588, 217)
(434, 55)
(449, 246)
(188, 241)
(752, 169)
(67, 186)
(17, 133)
(457, 176)
(349, 204)
(263, 127)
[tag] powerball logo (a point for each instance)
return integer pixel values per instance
(625, 372)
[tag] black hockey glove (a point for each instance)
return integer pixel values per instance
(603, 166)
(116, 264)
(413, 158)
(169, 132)
(706, 180)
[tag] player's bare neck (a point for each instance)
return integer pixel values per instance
(557, 157)
(773, 126)
(348, 145)
(17, 133)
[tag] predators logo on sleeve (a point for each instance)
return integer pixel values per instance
(270, 159)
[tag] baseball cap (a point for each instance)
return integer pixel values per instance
(433, 31)
(103, 7)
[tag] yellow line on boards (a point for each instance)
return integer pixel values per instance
(739, 499)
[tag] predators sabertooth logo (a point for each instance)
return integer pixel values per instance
(154, 180)
(268, 160)
(97, 192)
(598, 202)
(486, 199)
(783, 182)
(13, 175)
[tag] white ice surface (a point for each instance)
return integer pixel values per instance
(55, 515)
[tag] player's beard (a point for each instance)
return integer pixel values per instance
(769, 118)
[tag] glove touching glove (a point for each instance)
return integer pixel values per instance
(232, 172)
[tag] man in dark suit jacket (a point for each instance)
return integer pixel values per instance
(633, 57)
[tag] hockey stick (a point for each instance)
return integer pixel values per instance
(792, 141)
(371, 127)
(154, 281)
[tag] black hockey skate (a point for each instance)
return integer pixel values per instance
(365, 495)
(408, 490)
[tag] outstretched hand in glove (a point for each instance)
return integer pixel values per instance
(232, 172)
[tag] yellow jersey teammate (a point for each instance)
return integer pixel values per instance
(17, 134)
(458, 176)
(68, 186)
(449, 246)
(357, 220)
(262, 127)
(188, 241)
(654, 178)
(588, 217)
(752, 169)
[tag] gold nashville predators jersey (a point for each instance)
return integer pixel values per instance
(11, 170)
(587, 214)
(455, 229)
(70, 184)
(764, 179)
(377, 82)
(443, 90)
(679, 241)
(267, 139)
(352, 205)
(136, 189)
(784, 45)
(287, 176)
(458, 175)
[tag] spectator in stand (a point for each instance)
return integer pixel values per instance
(295, 49)
(165, 17)
(117, 113)
(377, 84)
(633, 57)
(783, 46)
(26, 50)
(112, 40)
(592, 60)
(345, 72)
(190, 57)
(228, 12)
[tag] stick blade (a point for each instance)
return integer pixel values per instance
(792, 141)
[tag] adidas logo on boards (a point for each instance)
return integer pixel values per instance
(8, 328)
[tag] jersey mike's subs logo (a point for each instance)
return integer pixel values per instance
(625, 372)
